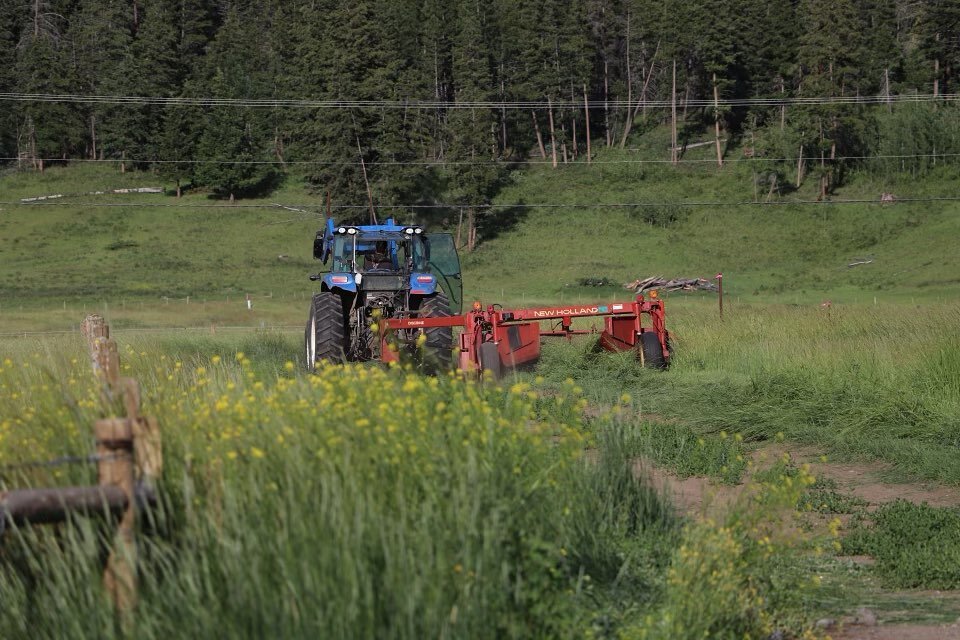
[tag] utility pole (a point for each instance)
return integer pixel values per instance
(363, 168)
(586, 113)
(673, 120)
(716, 113)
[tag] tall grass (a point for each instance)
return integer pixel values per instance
(876, 382)
(359, 502)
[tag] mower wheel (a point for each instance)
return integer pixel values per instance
(439, 344)
(652, 351)
(326, 335)
(490, 360)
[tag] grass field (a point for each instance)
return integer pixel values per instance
(373, 502)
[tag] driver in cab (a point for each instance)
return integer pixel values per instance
(379, 260)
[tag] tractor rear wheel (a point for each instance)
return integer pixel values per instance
(439, 344)
(490, 360)
(326, 334)
(652, 351)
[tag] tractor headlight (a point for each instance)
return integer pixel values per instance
(408, 231)
(351, 231)
(342, 230)
(418, 230)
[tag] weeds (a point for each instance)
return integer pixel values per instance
(915, 546)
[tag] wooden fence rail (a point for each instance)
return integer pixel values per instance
(50, 506)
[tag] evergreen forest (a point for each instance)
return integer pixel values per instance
(436, 100)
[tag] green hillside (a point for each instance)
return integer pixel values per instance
(771, 252)
(52, 257)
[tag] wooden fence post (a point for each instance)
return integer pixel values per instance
(129, 453)
(114, 437)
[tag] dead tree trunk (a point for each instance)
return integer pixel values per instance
(606, 100)
(716, 109)
(586, 115)
(503, 111)
(800, 167)
(471, 229)
(642, 102)
(93, 137)
(536, 128)
(573, 126)
(553, 138)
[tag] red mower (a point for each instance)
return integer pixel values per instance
(496, 339)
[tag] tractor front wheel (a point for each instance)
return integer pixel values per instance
(325, 337)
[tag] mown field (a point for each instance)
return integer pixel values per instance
(378, 502)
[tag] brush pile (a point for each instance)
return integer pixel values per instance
(677, 284)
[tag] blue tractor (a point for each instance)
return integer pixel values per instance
(381, 271)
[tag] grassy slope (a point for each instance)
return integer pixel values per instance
(68, 254)
(781, 253)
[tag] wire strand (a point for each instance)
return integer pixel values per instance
(307, 103)
(516, 205)
(430, 163)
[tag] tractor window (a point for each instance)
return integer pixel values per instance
(377, 256)
(445, 265)
(342, 254)
(415, 250)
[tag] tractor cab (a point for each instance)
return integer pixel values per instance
(390, 257)
(378, 272)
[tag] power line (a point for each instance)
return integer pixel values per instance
(518, 205)
(430, 163)
(306, 103)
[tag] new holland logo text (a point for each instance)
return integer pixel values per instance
(575, 311)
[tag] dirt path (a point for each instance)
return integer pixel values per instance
(863, 479)
(898, 632)
(706, 496)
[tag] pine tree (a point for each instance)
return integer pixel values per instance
(100, 36)
(149, 70)
(341, 56)
(10, 21)
(239, 135)
(472, 132)
(399, 135)
(181, 125)
(831, 38)
(46, 129)
(938, 46)
(880, 59)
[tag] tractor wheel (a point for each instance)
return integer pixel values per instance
(326, 334)
(652, 351)
(490, 360)
(439, 344)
